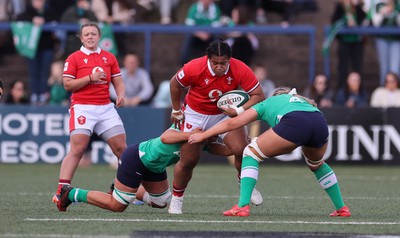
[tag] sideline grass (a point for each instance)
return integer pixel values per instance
(293, 202)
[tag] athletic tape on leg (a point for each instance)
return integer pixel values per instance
(123, 197)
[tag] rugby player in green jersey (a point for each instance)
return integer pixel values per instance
(141, 164)
(294, 121)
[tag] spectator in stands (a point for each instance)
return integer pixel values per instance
(1, 89)
(17, 93)
(352, 95)
(162, 99)
(60, 7)
(350, 51)
(385, 13)
(319, 91)
(285, 7)
(138, 85)
(389, 95)
(58, 94)
(165, 7)
(200, 13)
(39, 66)
(9, 10)
(115, 12)
(267, 85)
(79, 13)
(243, 45)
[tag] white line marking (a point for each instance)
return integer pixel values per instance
(209, 221)
(225, 196)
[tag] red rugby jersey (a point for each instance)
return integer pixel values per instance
(84, 62)
(206, 88)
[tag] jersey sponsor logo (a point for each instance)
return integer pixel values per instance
(295, 99)
(181, 74)
(214, 95)
(206, 81)
(66, 66)
(98, 69)
(81, 120)
(85, 60)
(104, 59)
(229, 80)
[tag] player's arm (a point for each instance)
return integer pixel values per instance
(172, 136)
(71, 84)
(225, 126)
(119, 87)
(256, 96)
(175, 92)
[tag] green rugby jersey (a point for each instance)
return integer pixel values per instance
(157, 156)
(272, 109)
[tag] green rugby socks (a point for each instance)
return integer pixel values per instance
(328, 181)
(249, 176)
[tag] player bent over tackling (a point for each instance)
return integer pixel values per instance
(295, 121)
(145, 164)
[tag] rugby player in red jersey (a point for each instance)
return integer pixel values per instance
(207, 78)
(88, 73)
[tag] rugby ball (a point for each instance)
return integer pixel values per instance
(233, 98)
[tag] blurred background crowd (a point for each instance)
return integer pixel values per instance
(364, 68)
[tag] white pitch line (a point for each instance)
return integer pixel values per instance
(228, 196)
(208, 221)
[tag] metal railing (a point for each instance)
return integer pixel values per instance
(149, 29)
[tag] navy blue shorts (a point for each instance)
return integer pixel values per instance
(132, 171)
(303, 128)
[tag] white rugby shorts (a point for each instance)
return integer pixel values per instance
(96, 118)
(194, 120)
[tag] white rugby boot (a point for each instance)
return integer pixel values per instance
(256, 197)
(175, 206)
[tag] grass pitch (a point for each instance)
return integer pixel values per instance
(294, 203)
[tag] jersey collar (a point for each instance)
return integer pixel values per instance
(88, 52)
(212, 72)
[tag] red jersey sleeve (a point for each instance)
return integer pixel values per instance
(248, 81)
(186, 75)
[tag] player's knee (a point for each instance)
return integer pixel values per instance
(124, 198)
(160, 200)
(187, 164)
(118, 207)
(119, 150)
(254, 151)
(314, 164)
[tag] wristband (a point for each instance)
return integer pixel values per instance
(176, 111)
(178, 117)
(238, 110)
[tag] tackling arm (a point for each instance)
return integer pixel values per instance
(256, 96)
(225, 126)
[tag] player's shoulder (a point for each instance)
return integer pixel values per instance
(74, 56)
(107, 54)
(197, 62)
(195, 66)
(238, 65)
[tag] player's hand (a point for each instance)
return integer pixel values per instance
(229, 110)
(177, 117)
(120, 101)
(99, 77)
(196, 138)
